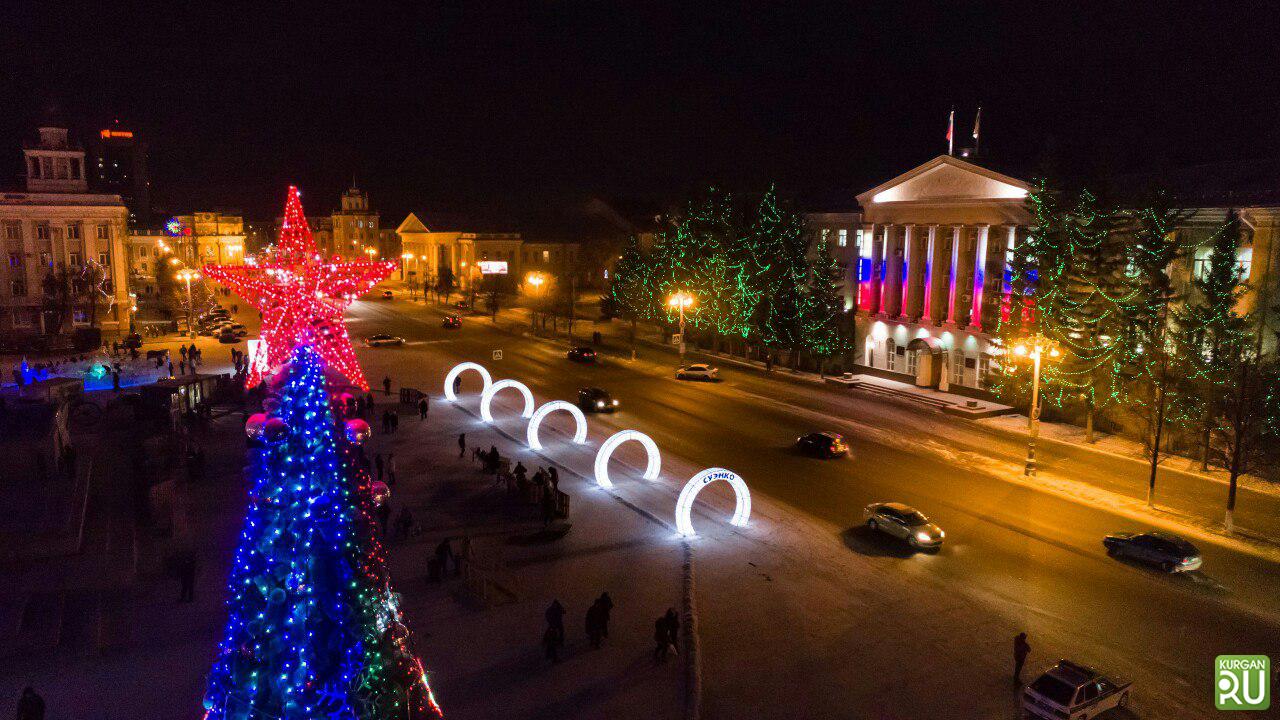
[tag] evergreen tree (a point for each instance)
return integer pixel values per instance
(314, 628)
(781, 248)
(823, 307)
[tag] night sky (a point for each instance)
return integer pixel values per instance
(510, 112)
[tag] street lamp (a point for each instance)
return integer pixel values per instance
(535, 279)
(371, 251)
(187, 275)
(1035, 348)
(405, 258)
(681, 300)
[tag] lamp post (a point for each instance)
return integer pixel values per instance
(370, 251)
(1035, 350)
(187, 275)
(404, 260)
(536, 280)
(680, 301)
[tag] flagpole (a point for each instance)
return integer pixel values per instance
(977, 123)
(951, 132)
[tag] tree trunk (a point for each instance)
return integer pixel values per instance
(633, 338)
(1088, 423)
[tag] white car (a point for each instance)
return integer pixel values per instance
(904, 522)
(1069, 691)
(698, 371)
(383, 340)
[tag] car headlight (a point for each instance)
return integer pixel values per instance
(615, 403)
(599, 403)
(923, 537)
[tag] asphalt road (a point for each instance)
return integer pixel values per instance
(1036, 553)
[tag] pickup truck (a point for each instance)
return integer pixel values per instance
(1070, 691)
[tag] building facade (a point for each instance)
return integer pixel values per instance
(118, 165)
(57, 228)
(427, 255)
(355, 227)
(842, 233)
(932, 253)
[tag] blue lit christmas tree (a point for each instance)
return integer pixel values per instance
(314, 629)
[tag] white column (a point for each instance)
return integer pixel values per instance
(904, 302)
(884, 277)
(979, 277)
(953, 274)
(931, 239)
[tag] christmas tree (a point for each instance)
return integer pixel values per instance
(314, 629)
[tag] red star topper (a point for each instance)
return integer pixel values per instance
(302, 297)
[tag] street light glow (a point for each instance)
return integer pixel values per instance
(681, 300)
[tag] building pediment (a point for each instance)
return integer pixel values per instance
(412, 224)
(943, 180)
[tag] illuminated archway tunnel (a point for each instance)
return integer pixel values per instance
(458, 370)
(486, 399)
(606, 452)
(741, 513)
(580, 433)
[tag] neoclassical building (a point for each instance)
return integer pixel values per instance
(930, 275)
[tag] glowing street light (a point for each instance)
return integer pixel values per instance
(187, 275)
(1034, 347)
(370, 251)
(680, 301)
(536, 280)
(405, 258)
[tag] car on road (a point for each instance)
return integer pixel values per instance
(383, 340)
(1168, 552)
(237, 328)
(1070, 691)
(227, 335)
(594, 399)
(451, 322)
(387, 295)
(822, 444)
(582, 354)
(904, 522)
(462, 305)
(131, 341)
(698, 371)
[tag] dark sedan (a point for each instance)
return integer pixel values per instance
(822, 444)
(581, 354)
(1168, 552)
(594, 399)
(451, 322)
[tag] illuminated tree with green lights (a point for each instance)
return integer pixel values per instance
(782, 261)
(823, 305)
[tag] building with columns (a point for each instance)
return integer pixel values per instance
(53, 225)
(355, 227)
(426, 254)
(932, 252)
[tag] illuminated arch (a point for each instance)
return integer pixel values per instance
(486, 398)
(458, 370)
(606, 451)
(579, 435)
(684, 504)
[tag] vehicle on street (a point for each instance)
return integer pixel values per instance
(383, 340)
(1168, 552)
(132, 340)
(904, 522)
(205, 330)
(462, 305)
(1070, 691)
(387, 295)
(582, 354)
(698, 371)
(594, 399)
(822, 444)
(238, 329)
(227, 335)
(451, 322)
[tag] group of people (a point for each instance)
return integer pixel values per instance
(597, 625)
(390, 420)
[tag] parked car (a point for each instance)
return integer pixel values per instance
(582, 354)
(238, 329)
(904, 522)
(822, 444)
(227, 335)
(132, 340)
(594, 399)
(1070, 691)
(451, 322)
(1168, 552)
(205, 330)
(462, 305)
(698, 371)
(387, 295)
(383, 340)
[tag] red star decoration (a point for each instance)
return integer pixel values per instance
(302, 297)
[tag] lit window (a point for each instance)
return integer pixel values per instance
(843, 240)
(15, 259)
(13, 230)
(42, 231)
(73, 231)
(104, 231)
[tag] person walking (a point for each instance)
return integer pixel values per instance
(115, 380)
(386, 385)
(170, 368)
(391, 469)
(593, 623)
(555, 478)
(404, 523)
(384, 515)
(462, 444)
(422, 408)
(182, 350)
(553, 638)
(377, 463)
(444, 555)
(606, 607)
(457, 385)
(1021, 649)
(661, 639)
(30, 705)
(395, 421)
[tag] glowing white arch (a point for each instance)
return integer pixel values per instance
(486, 398)
(579, 435)
(691, 489)
(606, 452)
(458, 370)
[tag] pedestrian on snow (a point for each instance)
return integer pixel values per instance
(384, 515)
(444, 555)
(391, 469)
(182, 350)
(422, 408)
(404, 523)
(1021, 649)
(115, 347)
(555, 478)
(462, 445)
(662, 647)
(115, 380)
(386, 421)
(395, 421)
(553, 638)
(457, 385)
(386, 385)
(193, 353)
(594, 623)
(377, 462)
(30, 705)
(170, 368)
(606, 607)
(521, 472)
(182, 366)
